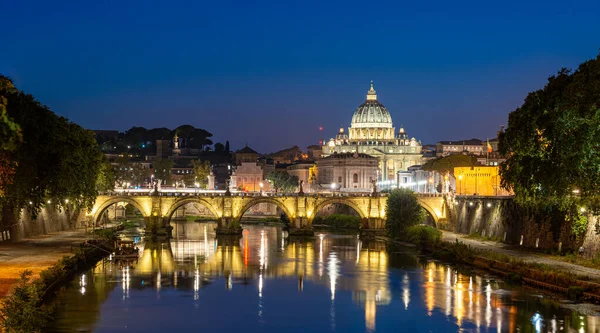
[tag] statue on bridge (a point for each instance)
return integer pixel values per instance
(374, 183)
(301, 191)
(227, 182)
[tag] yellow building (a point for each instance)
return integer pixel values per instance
(479, 180)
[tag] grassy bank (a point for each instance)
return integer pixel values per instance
(29, 306)
(428, 239)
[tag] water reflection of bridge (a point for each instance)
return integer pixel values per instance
(264, 253)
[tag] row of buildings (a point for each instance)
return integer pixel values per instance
(371, 151)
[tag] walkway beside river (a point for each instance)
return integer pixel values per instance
(526, 256)
(35, 254)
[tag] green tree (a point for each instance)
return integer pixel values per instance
(106, 176)
(162, 170)
(10, 132)
(123, 170)
(281, 180)
(10, 136)
(553, 141)
(448, 163)
(21, 310)
(402, 211)
(201, 171)
(56, 161)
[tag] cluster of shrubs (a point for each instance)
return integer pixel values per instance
(423, 235)
(340, 221)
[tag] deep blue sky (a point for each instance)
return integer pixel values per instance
(270, 73)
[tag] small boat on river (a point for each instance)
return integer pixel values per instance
(126, 249)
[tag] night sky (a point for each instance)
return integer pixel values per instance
(271, 73)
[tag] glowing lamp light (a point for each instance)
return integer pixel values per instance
(66, 200)
(471, 203)
(49, 201)
(489, 205)
(582, 209)
(333, 186)
(31, 203)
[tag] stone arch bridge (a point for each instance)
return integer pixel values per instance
(228, 209)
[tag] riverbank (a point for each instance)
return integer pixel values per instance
(518, 266)
(35, 254)
(523, 255)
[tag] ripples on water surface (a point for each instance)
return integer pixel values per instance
(264, 282)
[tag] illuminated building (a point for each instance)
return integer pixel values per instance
(347, 171)
(371, 132)
(479, 180)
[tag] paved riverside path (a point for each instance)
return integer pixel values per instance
(526, 256)
(36, 254)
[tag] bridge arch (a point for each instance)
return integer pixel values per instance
(179, 203)
(256, 201)
(104, 206)
(430, 210)
(345, 201)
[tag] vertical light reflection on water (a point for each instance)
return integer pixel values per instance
(358, 247)
(430, 288)
(196, 283)
(499, 319)
(205, 242)
(333, 268)
(321, 263)
(405, 291)
(471, 297)
(488, 305)
(82, 283)
(458, 300)
(125, 282)
(448, 291)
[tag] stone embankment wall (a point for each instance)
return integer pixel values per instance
(48, 220)
(500, 218)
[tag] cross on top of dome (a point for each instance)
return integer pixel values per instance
(372, 94)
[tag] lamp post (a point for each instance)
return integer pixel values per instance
(261, 187)
(333, 188)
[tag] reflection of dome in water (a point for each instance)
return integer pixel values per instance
(371, 113)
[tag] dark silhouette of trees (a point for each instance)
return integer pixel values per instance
(553, 141)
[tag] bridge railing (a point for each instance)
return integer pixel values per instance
(238, 194)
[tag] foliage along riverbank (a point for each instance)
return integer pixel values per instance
(576, 288)
(29, 307)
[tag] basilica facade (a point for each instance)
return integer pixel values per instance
(372, 132)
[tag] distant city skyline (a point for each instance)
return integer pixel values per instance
(271, 74)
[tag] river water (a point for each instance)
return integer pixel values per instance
(266, 282)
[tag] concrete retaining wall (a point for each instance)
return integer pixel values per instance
(502, 219)
(48, 220)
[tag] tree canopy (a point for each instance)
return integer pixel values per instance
(553, 140)
(57, 160)
(402, 211)
(162, 170)
(283, 181)
(448, 163)
(139, 140)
